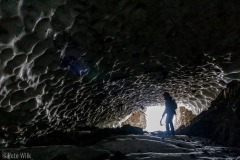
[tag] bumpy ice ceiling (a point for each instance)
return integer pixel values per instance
(67, 64)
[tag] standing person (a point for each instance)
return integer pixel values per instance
(170, 107)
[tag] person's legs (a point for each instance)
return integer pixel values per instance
(167, 125)
(167, 129)
(169, 122)
(172, 128)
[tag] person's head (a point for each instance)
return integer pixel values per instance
(166, 95)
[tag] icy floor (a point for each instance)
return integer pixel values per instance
(135, 147)
(178, 147)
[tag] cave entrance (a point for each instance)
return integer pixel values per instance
(153, 116)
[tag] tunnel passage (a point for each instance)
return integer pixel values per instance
(69, 64)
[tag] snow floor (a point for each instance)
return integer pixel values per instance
(136, 147)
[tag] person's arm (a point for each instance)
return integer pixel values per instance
(164, 113)
(163, 116)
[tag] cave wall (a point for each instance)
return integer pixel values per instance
(183, 117)
(221, 122)
(68, 64)
(137, 119)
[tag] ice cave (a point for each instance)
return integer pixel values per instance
(84, 79)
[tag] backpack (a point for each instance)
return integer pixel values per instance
(173, 105)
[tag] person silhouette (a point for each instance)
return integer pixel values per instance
(170, 107)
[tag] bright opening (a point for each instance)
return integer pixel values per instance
(153, 116)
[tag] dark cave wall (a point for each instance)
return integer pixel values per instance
(221, 122)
